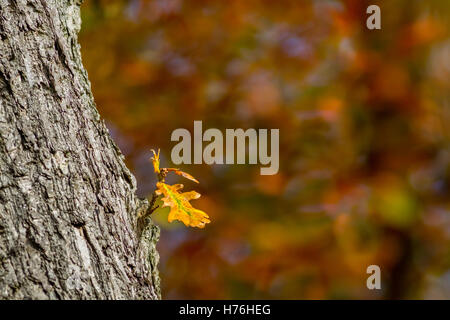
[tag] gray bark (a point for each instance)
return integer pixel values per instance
(68, 209)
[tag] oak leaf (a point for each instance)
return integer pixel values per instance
(183, 174)
(180, 207)
(155, 161)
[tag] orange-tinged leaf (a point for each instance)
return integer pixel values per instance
(183, 174)
(155, 160)
(180, 207)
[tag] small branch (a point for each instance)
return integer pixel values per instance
(152, 201)
(151, 208)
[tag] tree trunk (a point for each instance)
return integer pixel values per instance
(68, 209)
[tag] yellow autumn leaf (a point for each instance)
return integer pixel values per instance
(183, 174)
(155, 160)
(180, 207)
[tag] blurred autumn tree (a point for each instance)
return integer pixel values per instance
(364, 139)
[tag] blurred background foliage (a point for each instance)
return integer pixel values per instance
(364, 119)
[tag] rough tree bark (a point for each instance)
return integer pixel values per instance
(68, 209)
